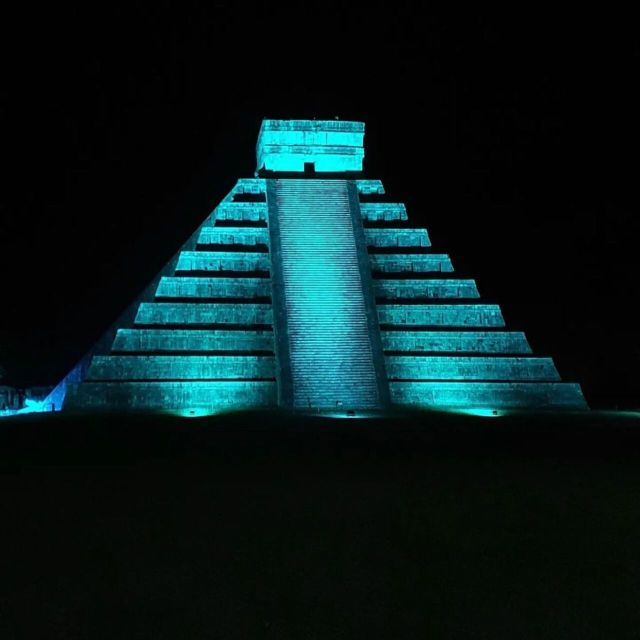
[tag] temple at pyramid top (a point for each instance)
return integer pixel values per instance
(307, 288)
(325, 146)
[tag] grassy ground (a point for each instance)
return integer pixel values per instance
(270, 526)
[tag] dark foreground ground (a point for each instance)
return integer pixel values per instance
(269, 526)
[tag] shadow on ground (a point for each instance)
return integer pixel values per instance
(267, 525)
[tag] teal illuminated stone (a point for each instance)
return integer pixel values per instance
(397, 238)
(491, 395)
(223, 261)
(445, 315)
(411, 262)
(209, 395)
(427, 288)
(176, 367)
(243, 236)
(241, 211)
(370, 187)
(203, 313)
(249, 186)
(456, 341)
(383, 211)
(469, 368)
(186, 287)
(189, 340)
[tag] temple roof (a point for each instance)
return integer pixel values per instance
(327, 145)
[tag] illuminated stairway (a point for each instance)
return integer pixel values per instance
(323, 331)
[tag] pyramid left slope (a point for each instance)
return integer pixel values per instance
(201, 337)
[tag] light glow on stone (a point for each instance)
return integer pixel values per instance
(481, 413)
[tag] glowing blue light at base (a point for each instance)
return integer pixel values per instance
(193, 413)
(481, 413)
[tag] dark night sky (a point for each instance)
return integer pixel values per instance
(513, 139)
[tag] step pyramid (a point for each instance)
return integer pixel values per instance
(306, 289)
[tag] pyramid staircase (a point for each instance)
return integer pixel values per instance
(327, 334)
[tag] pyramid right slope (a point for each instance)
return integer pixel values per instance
(443, 348)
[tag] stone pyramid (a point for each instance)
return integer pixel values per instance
(307, 289)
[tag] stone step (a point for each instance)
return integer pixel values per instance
(410, 263)
(206, 396)
(456, 341)
(424, 288)
(419, 367)
(186, 287)
(143, 367)
(223, 261)
(383, 211)
(203, 313)
(241, 211)
(192, 340)
(442, 315)
(488, 395)
(241, 236)
(405, 238)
